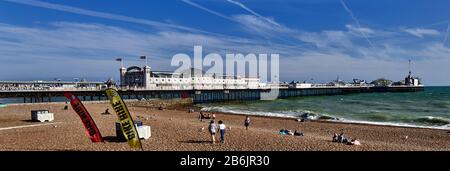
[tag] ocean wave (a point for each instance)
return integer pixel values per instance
(433, 120)
(297, 114)
(423, 122)
(440, 104)
(398, 124)
(246, 112)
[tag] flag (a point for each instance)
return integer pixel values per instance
(91, 129)
(128, 128)
(119, 59)
(143, 57)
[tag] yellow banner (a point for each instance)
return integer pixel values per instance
(128, 128)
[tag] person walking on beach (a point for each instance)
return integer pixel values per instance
(213, 116)
(247, 122)
(222, 128)
(201, 116)
(212, 130)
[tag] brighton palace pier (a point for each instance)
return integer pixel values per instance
(143, 83)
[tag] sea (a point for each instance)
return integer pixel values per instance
(426, 109)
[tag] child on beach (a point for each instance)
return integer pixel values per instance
(212, 130)
(222, 128)
(247, 122)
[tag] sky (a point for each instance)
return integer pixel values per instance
(316, 39)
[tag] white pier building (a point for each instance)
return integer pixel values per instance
(144, 78)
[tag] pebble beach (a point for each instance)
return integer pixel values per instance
(177, 130)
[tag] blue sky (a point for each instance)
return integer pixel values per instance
(317, 39)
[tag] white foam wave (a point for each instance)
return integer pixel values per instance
(297, 114)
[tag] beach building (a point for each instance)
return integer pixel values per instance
(144, 78)
(299, 84)
(410, 80)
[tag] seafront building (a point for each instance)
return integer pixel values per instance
(144, 78)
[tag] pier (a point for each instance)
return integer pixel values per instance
(199, 96)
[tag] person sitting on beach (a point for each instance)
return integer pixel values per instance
(160, 108)
(335, 138)
(289, 132)
(106, 112)
(341, 138)
(286, 132)
(202, 116)
(66, 107)
(298, 133)
(212, 131)
(247, 122)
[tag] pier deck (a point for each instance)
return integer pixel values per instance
(201, 96)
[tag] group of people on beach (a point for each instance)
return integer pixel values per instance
(289, 132)
(202, 116)
(221, 128)
(212, 131)
(342, 139)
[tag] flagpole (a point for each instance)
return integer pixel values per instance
(120, 60)
(144, 57)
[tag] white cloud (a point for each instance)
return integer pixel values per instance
(326, 39)
(419, 32)
(47, 45)
(256, 25)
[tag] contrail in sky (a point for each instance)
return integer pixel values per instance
(252, 12)
(207, 10)
(104, 15)
(356, 21)
(446, 34)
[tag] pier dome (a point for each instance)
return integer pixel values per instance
(134, 68)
